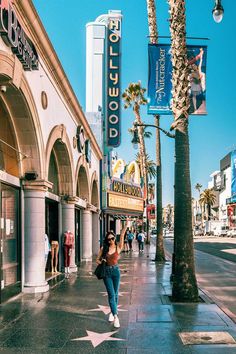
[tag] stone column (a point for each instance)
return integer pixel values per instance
(34, 244)
(86, 235)
(96, 233)
(68, 223)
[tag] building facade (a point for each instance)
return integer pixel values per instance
(49, 157)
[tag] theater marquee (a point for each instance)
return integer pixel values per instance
(117, 201)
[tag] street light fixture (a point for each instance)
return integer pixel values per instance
(218, 11)
(135, 139)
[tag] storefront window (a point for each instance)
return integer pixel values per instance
(9, 210)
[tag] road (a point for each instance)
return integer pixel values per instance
(215, 259)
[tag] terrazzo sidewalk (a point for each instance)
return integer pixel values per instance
(72, 317)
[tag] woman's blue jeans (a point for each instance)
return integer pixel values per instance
(112, 284)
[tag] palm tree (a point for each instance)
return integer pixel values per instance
(198, 187)
(151, 166)
(184, 281)
(133, 96)
(208, 198)
(151, 191)
(153, 36)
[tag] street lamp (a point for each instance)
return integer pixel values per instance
(135, 139)
(218, 11)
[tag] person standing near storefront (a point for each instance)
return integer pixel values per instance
(130, 240)
(141, 238)
(111, 253)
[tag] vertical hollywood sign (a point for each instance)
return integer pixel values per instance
(113, 82)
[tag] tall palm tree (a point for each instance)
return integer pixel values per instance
(198, 187)
(184, 280)
(208, 198)
(151, 191)
(133, 96)
(151, 166)
(153, 36)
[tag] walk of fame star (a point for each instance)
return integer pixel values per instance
(98, 338)
(120, 293)
(106, 309)
(124, 282)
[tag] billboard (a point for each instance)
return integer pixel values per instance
(113, 82)
(160, 76)
(233, 174)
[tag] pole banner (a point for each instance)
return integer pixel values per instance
(159, 79)
(160, 76)
(233, 169)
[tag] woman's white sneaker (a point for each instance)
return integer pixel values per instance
(116, 322)
(111, 317)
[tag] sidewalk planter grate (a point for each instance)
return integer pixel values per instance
(196, 338)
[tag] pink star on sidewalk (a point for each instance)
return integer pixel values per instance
(105, 309)
(121, 293)
(97, 338)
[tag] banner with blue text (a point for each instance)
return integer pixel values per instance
(160, 76)
(233, 169)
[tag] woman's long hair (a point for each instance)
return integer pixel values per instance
(106, 243)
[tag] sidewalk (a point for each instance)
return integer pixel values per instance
(72, 317)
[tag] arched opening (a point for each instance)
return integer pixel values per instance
(8, 153)
(94, 196)
(60, 175)
(82, 185)
(20, 146)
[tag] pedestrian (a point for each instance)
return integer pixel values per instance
(111, 253)
(126, 247)
(141, 238)
(130, 240)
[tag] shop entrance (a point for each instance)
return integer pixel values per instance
(52, 231)
(10, 255)
(77, 236)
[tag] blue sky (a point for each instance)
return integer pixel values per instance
(211, 136)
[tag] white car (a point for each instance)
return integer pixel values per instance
(232, 232)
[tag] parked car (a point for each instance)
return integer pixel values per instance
(198, 232)
(153, 232)
(232, 232)
(224, 231)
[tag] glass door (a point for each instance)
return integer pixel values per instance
(10, 241)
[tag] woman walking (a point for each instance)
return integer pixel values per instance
(111, 253)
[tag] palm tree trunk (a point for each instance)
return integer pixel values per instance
(142, 151)
(153, 34)
(184, 280)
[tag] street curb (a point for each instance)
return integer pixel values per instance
(211, 298)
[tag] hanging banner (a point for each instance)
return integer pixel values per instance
(160, 76)
(233, 174)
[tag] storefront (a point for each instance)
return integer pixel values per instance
(10, 240)
(49, 182)
(124, 195)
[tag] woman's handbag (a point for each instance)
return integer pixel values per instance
(100, 271)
